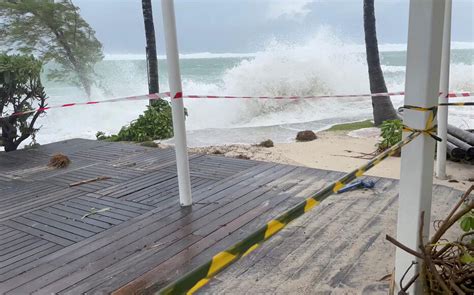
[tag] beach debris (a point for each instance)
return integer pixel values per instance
(95, 211)
(150, 144)
(59, 161)
(356, 185)
(266, 143)
(89, 181)
(243, 157)
(306, 135)
(447, 267)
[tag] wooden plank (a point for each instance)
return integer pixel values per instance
(77, 223)
(86, 208)
(71, 146)
(37, 201)
(51, 223)
(43, 229)
(26, 248)
(5, 230)
(28, 227)
(15, 243)
(105, 220)
(182, 257)
(11, 268)
(74, 217)
(334, 216)
(119, 204)
(11, 236)
(136, 184)
(125, 230)
(234, 220)
(114, 207)
(201, 219)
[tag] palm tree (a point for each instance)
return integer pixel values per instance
(152, 60)
(382, 105)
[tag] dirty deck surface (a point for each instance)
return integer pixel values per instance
(53, 240)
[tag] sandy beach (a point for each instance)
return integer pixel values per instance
(340, 151)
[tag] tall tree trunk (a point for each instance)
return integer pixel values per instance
(382, 105)
(152, 60)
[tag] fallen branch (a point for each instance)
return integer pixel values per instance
(95, 211)
(89, 181)
(446, 266)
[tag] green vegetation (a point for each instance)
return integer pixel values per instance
(391, 134)
(467, 222)
(20, 91)
(52, 31)
(155, 123)
(352, 126)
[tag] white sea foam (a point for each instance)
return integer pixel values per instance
(324, 64)
(199, 55)
(351, 47)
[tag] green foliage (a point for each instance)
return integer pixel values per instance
(467, 225)
(352, 126)
(20, 91)
(53, 32)
(155, 123)
(391, 131)
(467, 222)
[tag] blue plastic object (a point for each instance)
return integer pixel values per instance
(357, 184)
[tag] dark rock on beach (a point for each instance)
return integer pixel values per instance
(267, 143)
(306, 135)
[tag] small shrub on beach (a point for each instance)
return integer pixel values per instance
(391, 132)
(306, 135)
(59, 161)
(155, 123)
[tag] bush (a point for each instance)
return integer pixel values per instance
(20, 91)
(391, 134)
(155, 123)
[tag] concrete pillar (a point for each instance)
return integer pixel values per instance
(425, 38)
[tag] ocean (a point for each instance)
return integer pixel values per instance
(320, 66)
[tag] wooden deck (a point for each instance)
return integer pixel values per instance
(48, 246)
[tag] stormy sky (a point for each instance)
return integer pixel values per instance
(242, 26)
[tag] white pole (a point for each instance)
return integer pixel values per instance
(425, 35)
(444, 89)
(179, 127)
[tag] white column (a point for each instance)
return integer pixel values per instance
(425, 36)
(443, 98)
(179, 127)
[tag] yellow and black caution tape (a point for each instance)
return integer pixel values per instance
(458, 104)
(430, 129)
(200, 276)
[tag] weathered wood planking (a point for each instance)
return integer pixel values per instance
(145, 238)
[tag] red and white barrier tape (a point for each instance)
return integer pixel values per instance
(451, 94)
(296, 97)
(162, 95)
(460, 94)
(154, 96)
